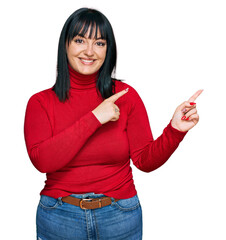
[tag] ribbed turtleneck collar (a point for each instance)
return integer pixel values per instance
(80, 81)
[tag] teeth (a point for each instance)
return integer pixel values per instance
(88, 61)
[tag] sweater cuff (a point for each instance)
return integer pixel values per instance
(92, 121)
(179, 134)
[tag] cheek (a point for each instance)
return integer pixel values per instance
(74, 50)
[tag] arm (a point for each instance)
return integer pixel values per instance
(50, 153)
(146, 153)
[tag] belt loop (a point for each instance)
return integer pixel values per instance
(60, 200)
(100, 205)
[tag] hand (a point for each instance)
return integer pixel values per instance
(107, 110)
(186, 117)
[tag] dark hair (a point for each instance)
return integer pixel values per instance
(79, 23)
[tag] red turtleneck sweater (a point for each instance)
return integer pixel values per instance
(79, 154)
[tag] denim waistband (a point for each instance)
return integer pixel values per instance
(90, 194)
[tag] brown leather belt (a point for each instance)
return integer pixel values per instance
(91, 203)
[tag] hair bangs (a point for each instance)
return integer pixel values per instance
(82, 26)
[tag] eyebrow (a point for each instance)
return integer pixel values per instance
(95, 38)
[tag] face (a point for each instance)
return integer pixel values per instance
(85, 55)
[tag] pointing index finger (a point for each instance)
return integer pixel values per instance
(193, 98)
(114, 97)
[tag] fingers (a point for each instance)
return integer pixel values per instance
(117, 113)
(186, 106)
(193, 117)
(116, 96)
(189, 114)
(193, 98)
(116, 107)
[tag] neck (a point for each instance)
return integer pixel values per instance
(80, 81)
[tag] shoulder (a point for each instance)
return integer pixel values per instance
(42, 97)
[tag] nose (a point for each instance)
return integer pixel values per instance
(89, 50)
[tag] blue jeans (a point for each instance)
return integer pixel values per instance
(57, 220)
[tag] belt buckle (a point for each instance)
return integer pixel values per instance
(81, 206)
(80, 203)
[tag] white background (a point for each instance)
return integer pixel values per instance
(167, 50)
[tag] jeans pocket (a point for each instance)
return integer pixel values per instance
(128, 204)
(48, 202)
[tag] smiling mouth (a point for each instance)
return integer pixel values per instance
(87, 61)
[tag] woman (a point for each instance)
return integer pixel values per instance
(82, 133)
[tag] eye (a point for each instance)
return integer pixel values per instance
(78, 40)
(101, 44)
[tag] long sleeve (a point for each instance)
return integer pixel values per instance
(146, 153)
(50, 153)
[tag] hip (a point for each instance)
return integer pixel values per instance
(56, 219)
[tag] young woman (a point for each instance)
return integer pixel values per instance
(82, 133)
